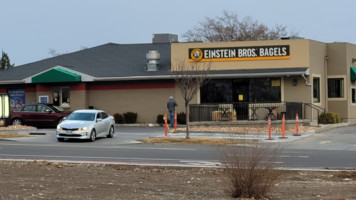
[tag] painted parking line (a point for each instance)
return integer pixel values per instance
(87, 157)
(101, 147)
(325, 142)
(293, 156)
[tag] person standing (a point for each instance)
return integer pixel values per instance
(171, 104)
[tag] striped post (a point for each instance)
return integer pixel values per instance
(296, 125)
(165, 125)
(283, 127)
(175, 122)
(269, 129)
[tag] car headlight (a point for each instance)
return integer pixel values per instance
(59, 128)
(82, 129)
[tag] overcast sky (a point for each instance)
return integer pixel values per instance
(30, 28)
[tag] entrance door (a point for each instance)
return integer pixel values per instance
(56, 97)
(240, 95)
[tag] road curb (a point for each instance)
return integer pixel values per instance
(172, 165)
(27, 131)
(326, 127)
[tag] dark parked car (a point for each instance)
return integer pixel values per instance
(39, 114)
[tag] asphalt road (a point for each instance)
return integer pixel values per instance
(333, 149)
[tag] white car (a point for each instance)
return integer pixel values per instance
(86, 124)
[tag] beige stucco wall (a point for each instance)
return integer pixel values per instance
(78, 99)
(338, 68)
(351, 54)
(298, 93)
(299, 57)
(31, 97)
(147, 103)
(318, 64)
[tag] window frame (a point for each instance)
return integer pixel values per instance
(319, 89)
(344, 88)
(353, 89)
(61, 90)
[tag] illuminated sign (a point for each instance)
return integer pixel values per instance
(239, 53)
(4, 106)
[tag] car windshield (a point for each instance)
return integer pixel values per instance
(81, 116)
(56, 108)
(19, 108)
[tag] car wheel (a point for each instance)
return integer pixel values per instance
(111, 132)
(92, 136)
(17, 122)
(60, 139)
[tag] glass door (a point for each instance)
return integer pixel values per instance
(240, 96)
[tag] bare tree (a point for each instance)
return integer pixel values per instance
(230, 28)
(54, 52)
(189, 77)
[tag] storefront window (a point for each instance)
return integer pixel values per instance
(216, 91)
(265, 90)
(61, 97)
(335, 87)
(253, 90)
(316, 90)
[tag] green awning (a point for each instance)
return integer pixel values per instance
(353, 73)
(56, 75)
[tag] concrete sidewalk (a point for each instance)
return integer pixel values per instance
(248, 136)
(263, 136)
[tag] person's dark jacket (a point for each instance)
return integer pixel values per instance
(171, 104)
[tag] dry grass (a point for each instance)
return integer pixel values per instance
(4, 134)
(346, 174)
(11, 135)
(19, 127)
(207, 141)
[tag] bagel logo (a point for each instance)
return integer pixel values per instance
(196, 54)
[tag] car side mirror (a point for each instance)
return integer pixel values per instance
(48, 111)
(99, 120)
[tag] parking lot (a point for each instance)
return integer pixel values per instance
(123, 135)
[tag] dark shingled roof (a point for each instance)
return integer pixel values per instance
(127, 62)
(108, 60)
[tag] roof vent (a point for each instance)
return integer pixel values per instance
(164, 38)
(293, 37)
(153, 57)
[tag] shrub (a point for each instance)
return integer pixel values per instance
(160, 119)
(251, 170)
(118, 118)
(181, 118)
(130, 117)
(329, 118)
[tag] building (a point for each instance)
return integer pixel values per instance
(319, 75)
(113, 77)
(137, 78)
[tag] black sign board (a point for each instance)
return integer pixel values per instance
(239, 53)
